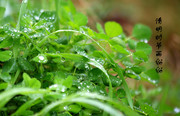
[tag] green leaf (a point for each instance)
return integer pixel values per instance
(142, 32)
(127, 61)
(70, 56)
(117, 41)
(130, 73)
(22, 110)
(146, 48)
(116, 82)
(25, 64)
(68, 81)
(149, 110)
(41, 58)
(5, 77)
(80, 19)
(95, 75)
(3, 85)
(90, 32)
(121, 50)
(101, 36)
(140, 56)
(10, 66)
(113, 29)
(5, 55)
(71, 7)
(137, 69)
(150, 75)
(132, 44)
(74, 108)
(2, 11)
(100, 28)
(48, 16)
(98, 65)
(121, 93)
(32, 83)
(6, 43)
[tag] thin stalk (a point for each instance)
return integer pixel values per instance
(57, 4)
(21, 13)
(16, 76)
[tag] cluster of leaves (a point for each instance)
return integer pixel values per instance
(53, 64)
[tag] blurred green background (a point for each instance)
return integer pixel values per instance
(128, 13)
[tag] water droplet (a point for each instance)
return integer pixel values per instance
(145, 41)
(41, 57)
(53, 86)
(86, 66)
(63, 59)
(57, 52)
(65, 107)
(36, 17)
(177, 110)
(79, 87)
(101, 91)
(63, 89)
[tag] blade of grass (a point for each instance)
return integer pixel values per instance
(128, 94)
(91, 99)
(25, 106)
(163, 100)
(76, 99)
(57, 4)
(16, 76)
(8, 94)
(21, 13)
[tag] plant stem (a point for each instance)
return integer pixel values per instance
(21, 13)
(57, 2)
(16, 76)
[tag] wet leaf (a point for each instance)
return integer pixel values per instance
(25, 64)
(113, 29)
(146, 48)
(41, 58)
(30, 82)
(100, 28)
(6, 43)
(150, 75)
(132, 44)
(117, 41)
(5, 77)
(74, 108)
(121, 50)
(140, 56)
(10, 66)
(2, 11)
(142, 32)
(80, 19)
(68, 81)
(5, 55)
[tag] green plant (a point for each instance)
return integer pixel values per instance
(53, 64)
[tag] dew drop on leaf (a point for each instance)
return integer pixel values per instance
(63, 59)
(41, 57)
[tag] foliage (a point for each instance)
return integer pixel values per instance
(53, 64)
